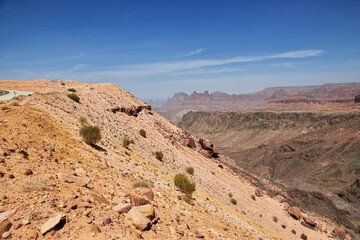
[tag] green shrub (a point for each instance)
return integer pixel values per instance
(293, 231)
(71, 90)
(74, 97)
(275, 219)
(159, 156)
(303, 236)
(230, 194)
(233, 201)
(142, 133)
(283, 226)
(62, 84)
(83, 121)
(190, 170)
(253, 197)
(141, 183)
(127, 142)
(184, 184)
(90, 134)
(188, 198)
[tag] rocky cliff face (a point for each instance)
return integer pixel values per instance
(55, 186)
(313, 151)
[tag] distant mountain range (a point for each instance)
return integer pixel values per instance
(220, 100)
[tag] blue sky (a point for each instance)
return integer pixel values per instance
(157, 48)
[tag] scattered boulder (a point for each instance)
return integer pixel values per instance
(80, 181)
(138, 220)
(339, 233)
(131, 111)
(258, 192)
(99, 198)
(5, 226)
(123, 208)
(295, 212)
(106, 221)
(6, 235)
(146, 192)
(207, 145)
(11, 176)
(357, 99)
(28, 172)
(94, 229)
(2, 174)
(147, 210)
(189, 142)
(5, 215)
(279, 198)
(138, 201)
(309, 221)
(51, 222)
(286, 206)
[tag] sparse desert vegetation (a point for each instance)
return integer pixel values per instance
(142, 133)
(71, 90)
(90, 134)
(184, 184)
(159, 155)
(190, 170)
(233, 201)
(74, 97)
(126, 142)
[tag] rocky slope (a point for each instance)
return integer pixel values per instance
(313, 151)
(55, 186)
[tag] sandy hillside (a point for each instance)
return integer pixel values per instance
(55, 186)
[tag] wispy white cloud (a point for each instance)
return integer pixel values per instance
(81, 55)
(192, 53)
(285, 64)
(76, 67)
(182, 66)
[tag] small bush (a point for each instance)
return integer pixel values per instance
(141, 183)
(142, 133)
(71, 90)
(293, 231)
(127, 142)
(5, 108)
(230, 194)
(275, 219)
(184, 184)
(190, 170)
(74, 97)
(283, 226)
(253, 197)
(303, 236)
(188, 198)
(62, 84)
(90, 134)
(83, 121)
(233, 201)
(159, 156)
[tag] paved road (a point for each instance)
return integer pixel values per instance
(11, 94)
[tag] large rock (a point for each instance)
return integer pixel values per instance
(145, 192)
(138, 220)
(123, 208)
(5, 215)
(189, 142)
(258, 192)
(80, 181)
(138, 201)
(339, 233)
(310, 221)
(147, 210)
(295, 212)
(5, 226)
(207, 145)
(51, 222)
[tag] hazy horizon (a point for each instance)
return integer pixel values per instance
(154, 50)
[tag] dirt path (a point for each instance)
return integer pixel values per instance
(12, 94)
